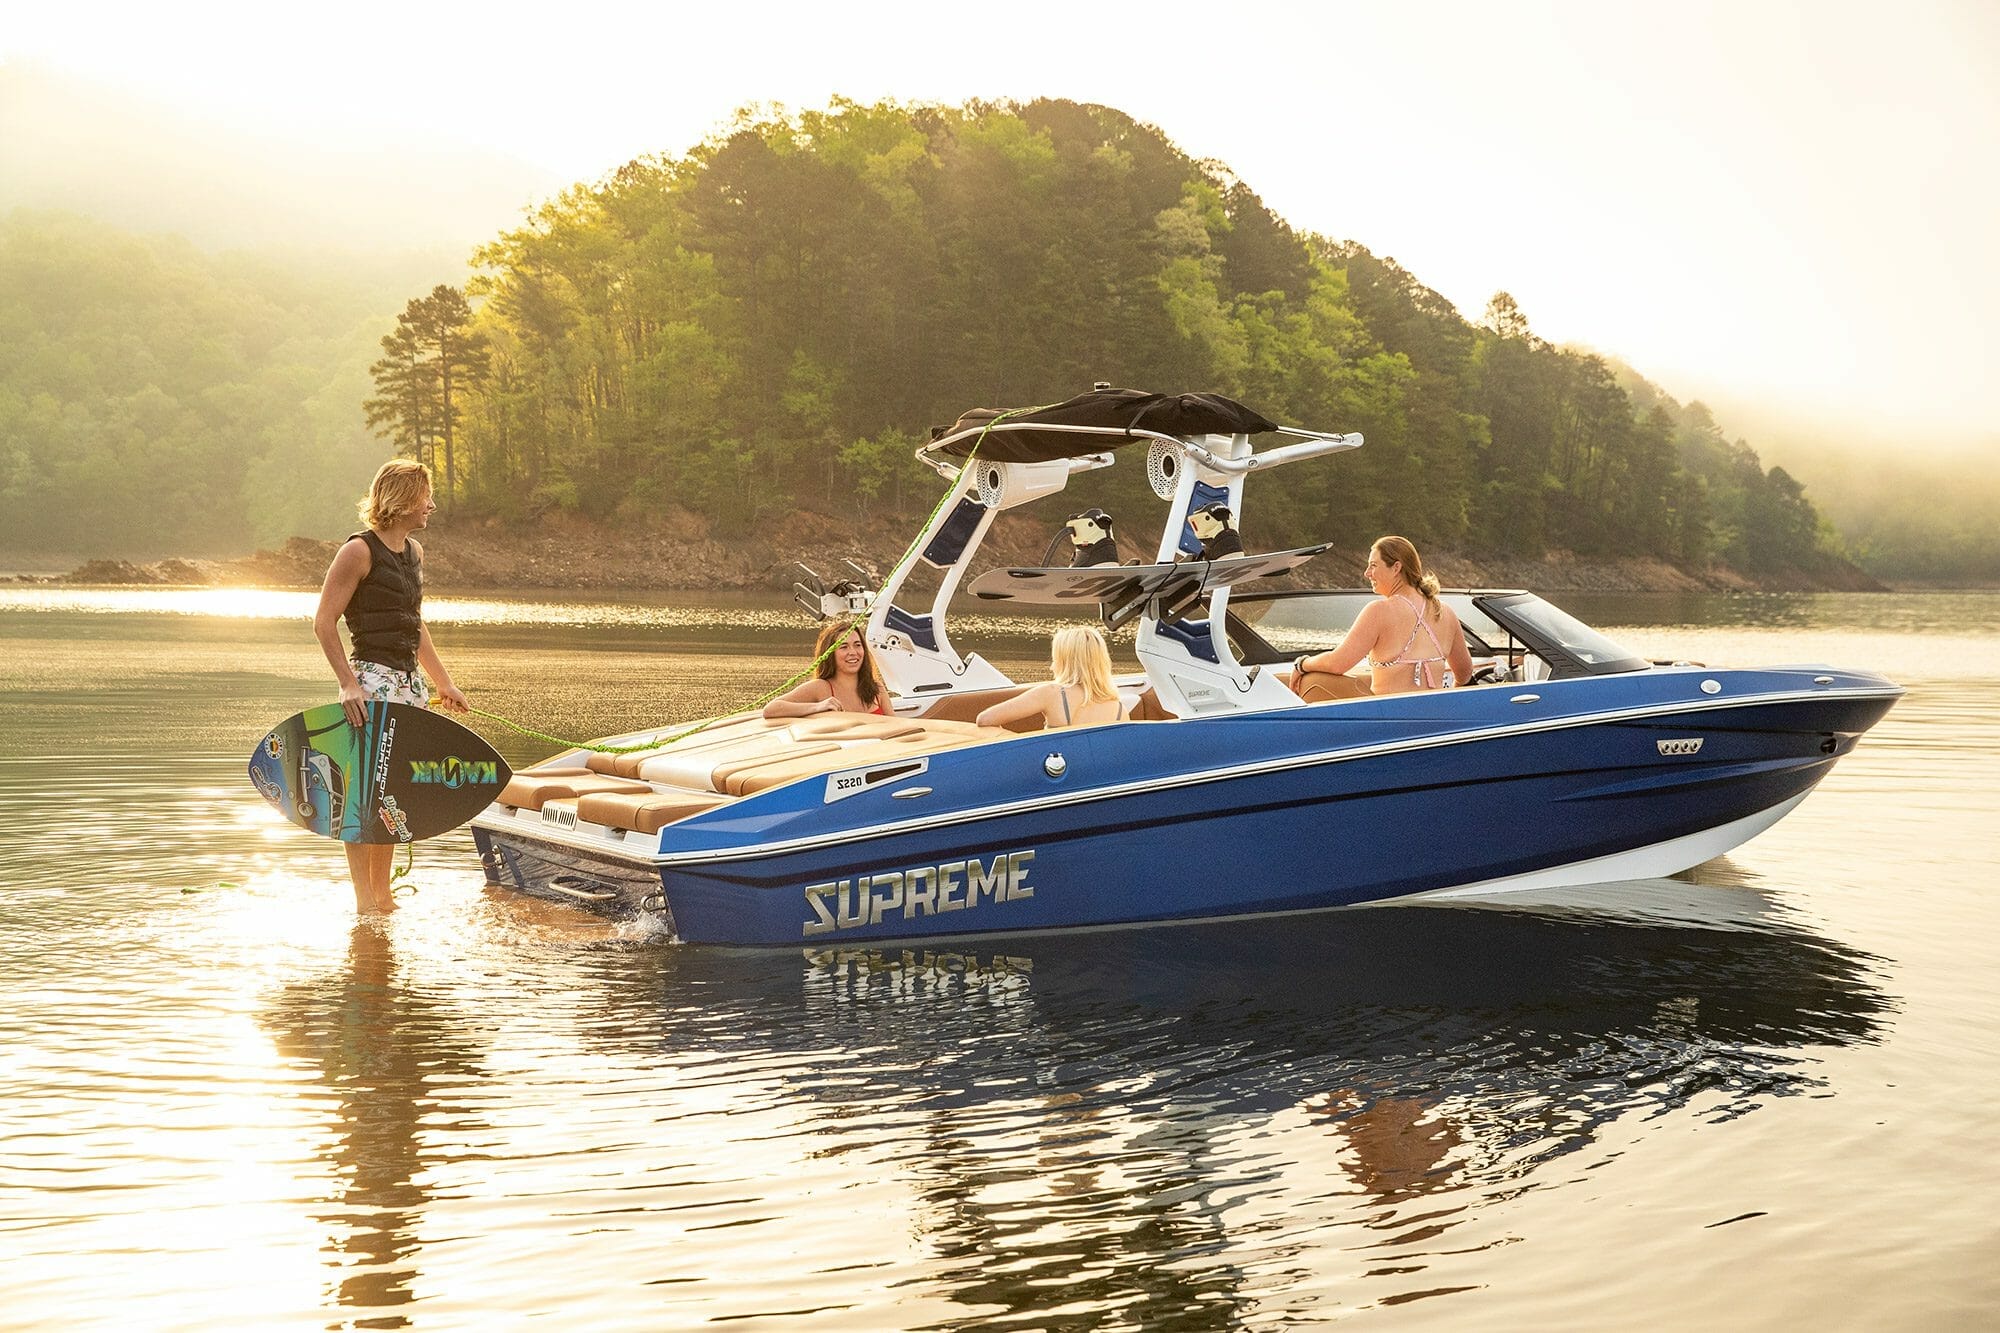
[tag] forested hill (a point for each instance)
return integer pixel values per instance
(158, 400)
(773, 321)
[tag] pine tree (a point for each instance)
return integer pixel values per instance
(403, 409)
(435, 359)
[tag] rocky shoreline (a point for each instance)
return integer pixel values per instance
(679, 553)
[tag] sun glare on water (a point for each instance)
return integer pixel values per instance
(299, 604)
(235, 603)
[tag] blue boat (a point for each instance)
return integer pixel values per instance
(1235, 791)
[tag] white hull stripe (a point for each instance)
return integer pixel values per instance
(1651, 862)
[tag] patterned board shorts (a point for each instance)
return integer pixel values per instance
(390, 685)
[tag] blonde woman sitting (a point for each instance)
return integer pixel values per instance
(1080, 695)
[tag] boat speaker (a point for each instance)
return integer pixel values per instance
(992, 483)
(1163, 468)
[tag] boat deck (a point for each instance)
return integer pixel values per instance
(646, 790)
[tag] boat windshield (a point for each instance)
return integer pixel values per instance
(1319, 618)
(1547, 626)
(1271, 627)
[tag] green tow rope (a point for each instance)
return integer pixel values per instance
(400, 880)
(859, 622)
(657, 742)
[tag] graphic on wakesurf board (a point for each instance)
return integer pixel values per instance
(407, 773)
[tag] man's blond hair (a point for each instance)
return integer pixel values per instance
(397, 492)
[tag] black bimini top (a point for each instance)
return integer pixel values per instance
(1013, 438)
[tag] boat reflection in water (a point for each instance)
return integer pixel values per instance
(1185, 1124)
(1437, 999)
(1035, 1087)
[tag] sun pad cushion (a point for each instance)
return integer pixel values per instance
(853, 727)
(531, 789)
(648, 813)
(726, 732)
(790, 768)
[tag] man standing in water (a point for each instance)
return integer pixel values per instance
(376, 582)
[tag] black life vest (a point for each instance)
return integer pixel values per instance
(385, 616)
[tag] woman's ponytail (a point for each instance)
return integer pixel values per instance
(1399, 551)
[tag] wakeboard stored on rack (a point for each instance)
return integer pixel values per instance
(1123, 591)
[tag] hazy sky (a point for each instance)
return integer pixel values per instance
(1790, 204)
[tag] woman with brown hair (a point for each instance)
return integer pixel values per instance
(1411, 640)
(844, 678)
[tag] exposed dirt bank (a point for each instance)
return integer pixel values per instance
(680, 552)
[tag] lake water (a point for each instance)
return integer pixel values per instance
(1755, 1096)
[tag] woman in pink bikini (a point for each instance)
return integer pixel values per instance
(1411, 639)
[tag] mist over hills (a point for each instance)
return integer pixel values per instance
(188, 311)
(1919, 506)
(288, 265)
(72, 145)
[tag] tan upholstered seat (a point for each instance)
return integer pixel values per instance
(968, 730)
(1317, 687)
(709, 740)
(724, 776)
(693, 764)
(531, 789)
(725, 732)
(852, 727)
(648, 813)
(786, 750)
(776, 772)
(967, 706)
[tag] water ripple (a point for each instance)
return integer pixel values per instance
(228, 1098)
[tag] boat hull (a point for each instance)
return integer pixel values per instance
(1572, 782)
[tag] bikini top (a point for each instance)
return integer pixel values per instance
(1417, 664)
(1063, 694)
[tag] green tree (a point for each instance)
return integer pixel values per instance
(434, 360)
(1516, 392)
(405, 403)
(460, 354)
(157, 400)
